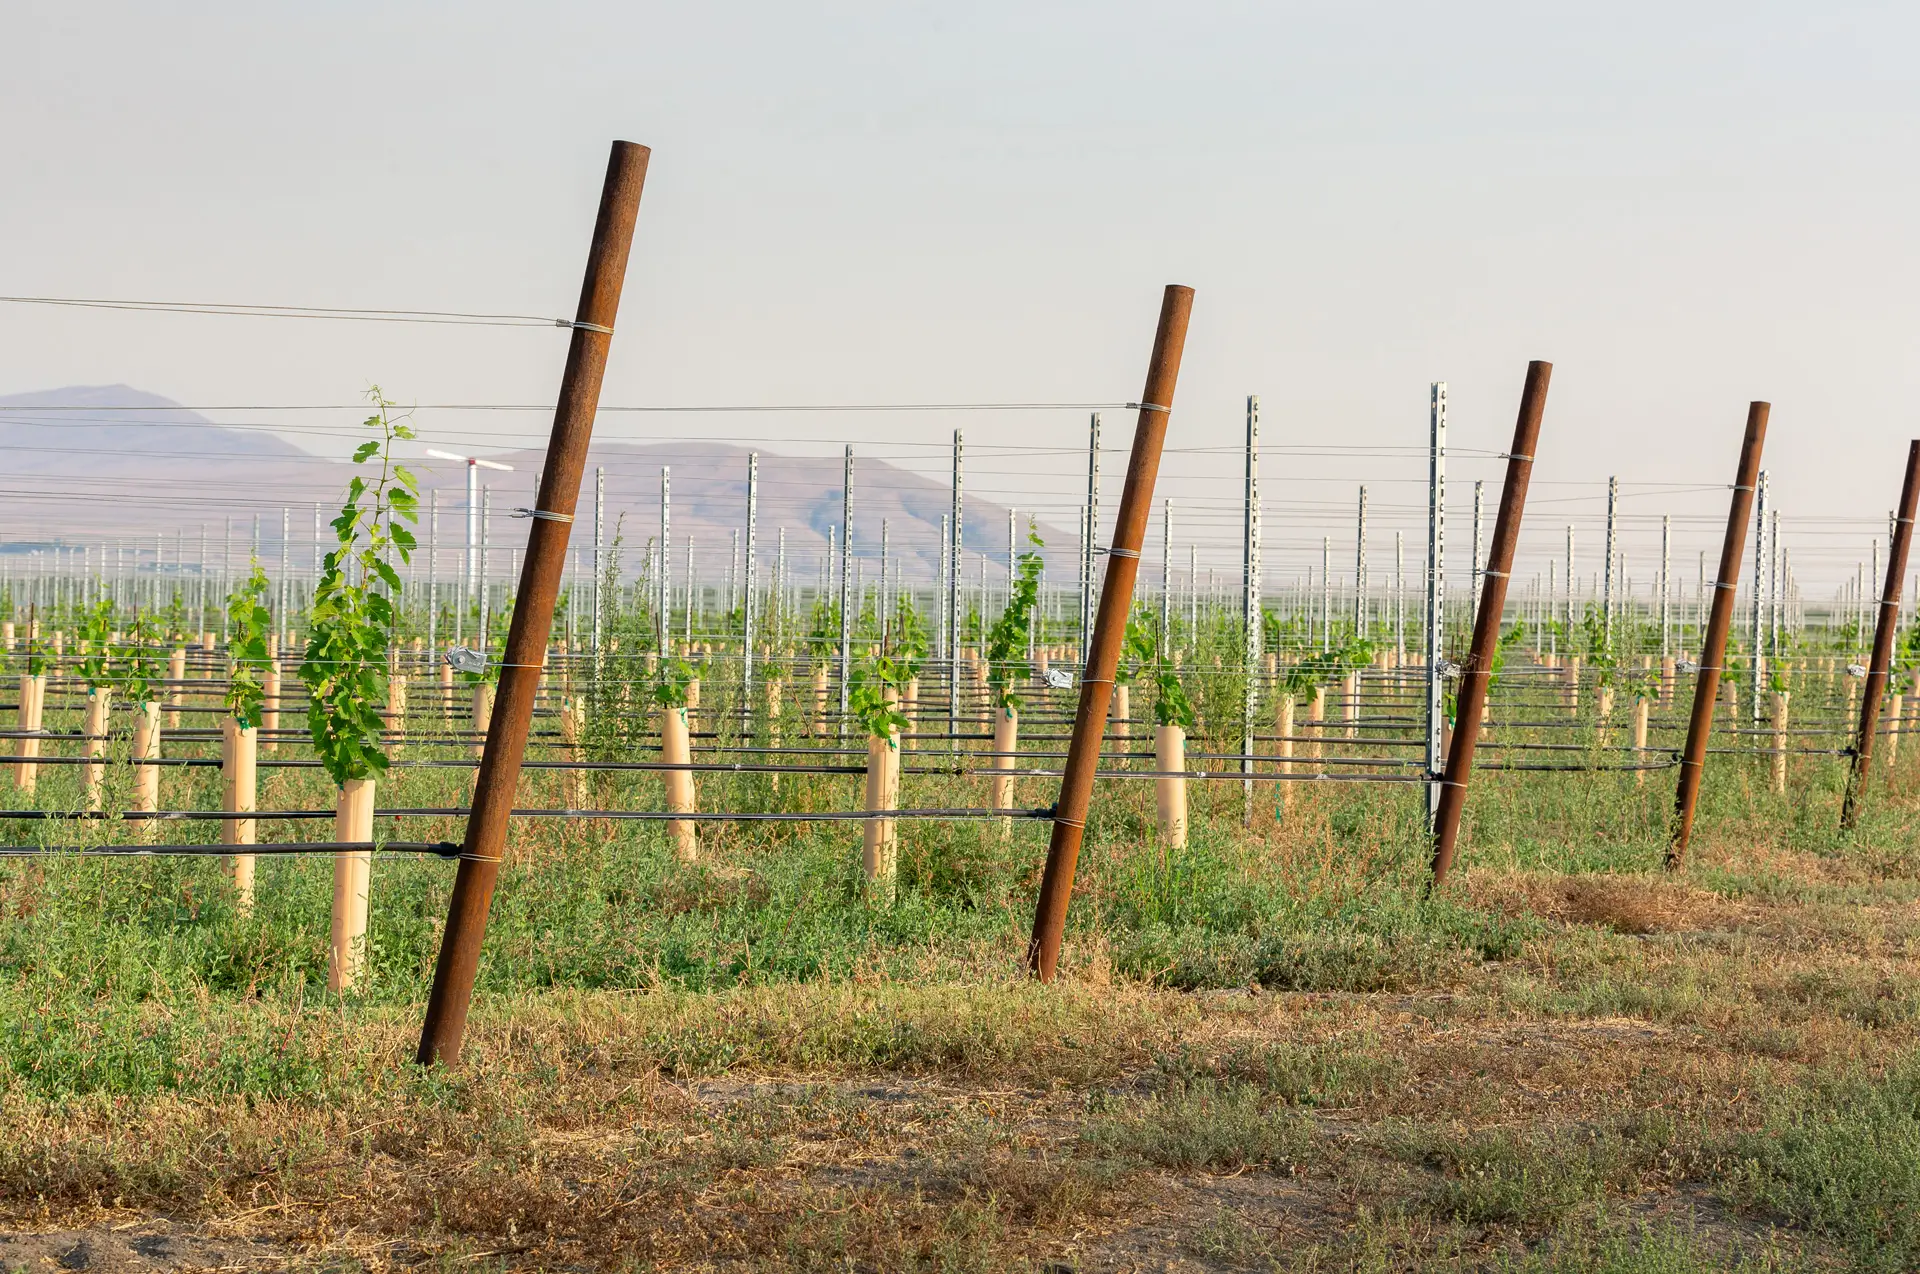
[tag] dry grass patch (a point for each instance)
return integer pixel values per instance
(1623, 904)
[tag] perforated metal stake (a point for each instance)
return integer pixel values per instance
(1250, 619)
(1436, 588)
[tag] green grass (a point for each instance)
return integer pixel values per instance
(1272, 1049)
(1204, 1126)
(1843, 1161)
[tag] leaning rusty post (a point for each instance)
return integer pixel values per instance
(1103, 651)
(532, 624)
(1471, 699)
(1713, 648)
(1883, 632)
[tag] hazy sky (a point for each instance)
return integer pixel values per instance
(1682, 206)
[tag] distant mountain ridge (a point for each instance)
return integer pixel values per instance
(119, 419)
(88, 463)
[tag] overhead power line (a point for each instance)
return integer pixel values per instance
(235, 309)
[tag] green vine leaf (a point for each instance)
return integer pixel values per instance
(1007, 640)
(351, 622)
(248, 624)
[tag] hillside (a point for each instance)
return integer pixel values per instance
(99, 462)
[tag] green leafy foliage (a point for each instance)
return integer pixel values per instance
(908, 637)
(823, 627)
(1327, 667)
(1136, 648)
(95, 634)
(867, 695)
(1508, 640)
(248, 623)
(141, 671)
(671, 680)
(1171, 706)
(352, 618)
(1007, 641)
(34, 651)
(1906, 658)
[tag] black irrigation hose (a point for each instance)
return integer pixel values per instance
(439, 848)
(962, 814)
(1500, 766)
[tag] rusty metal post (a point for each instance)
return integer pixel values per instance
(1883, 632)
(1713, 647)
(1103, 652)
(532, 625)
(1471, 699)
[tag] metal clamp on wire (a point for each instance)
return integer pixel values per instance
(1133, 553)
(584, 327)
(474, 662)
(542, 514)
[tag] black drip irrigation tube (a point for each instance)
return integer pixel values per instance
(438, 848)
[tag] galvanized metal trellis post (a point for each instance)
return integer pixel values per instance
(1479, 561)
(749, 609)
(1436, 589)
(1471, 698)
(1012, 556)
(1250, 606)
(940, 583)
(1399, 595)
(599, 539)
(1666, 585)
(1758, 635)
(559, 493)
(313, 577)
(1116, 599)
(1326, 592)
(1776, 604)
(283, 616)
(1570, 615)
(473, 529)
(1193, 591)
(1090, 532)
(1606, 587)
(1881, 666)
(486, 581)
(1166, 576)
(1873, 573)
(846, 581)
(433, 569)
(955, 541)
(664, 584)
(1713, 647)
(1360, 570)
